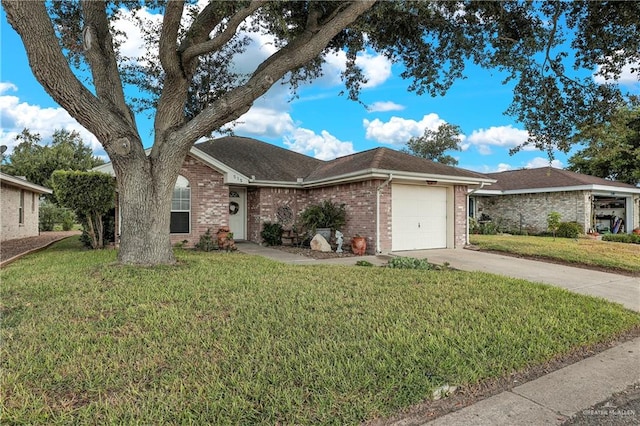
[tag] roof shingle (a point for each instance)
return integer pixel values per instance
(546, 177)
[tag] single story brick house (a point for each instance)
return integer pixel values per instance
(20, 207)
(520, 200)
(396, 200)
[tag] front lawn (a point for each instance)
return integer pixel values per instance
(235, 339)
(583, 251)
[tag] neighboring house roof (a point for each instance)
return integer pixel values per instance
(549, 179)
(264, 163)
(21, 183)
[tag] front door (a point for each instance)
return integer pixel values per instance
(238, 212)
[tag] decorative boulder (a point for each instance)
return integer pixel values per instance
(318, 243)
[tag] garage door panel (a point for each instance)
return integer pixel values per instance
(419, 217)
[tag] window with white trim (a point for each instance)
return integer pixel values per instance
(181, 207)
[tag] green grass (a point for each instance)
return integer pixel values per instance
(583, 251)
(226, 338)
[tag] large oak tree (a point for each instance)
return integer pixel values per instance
(187, 78)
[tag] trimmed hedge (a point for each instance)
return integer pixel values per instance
(622, 238)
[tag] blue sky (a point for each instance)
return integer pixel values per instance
(319, 123)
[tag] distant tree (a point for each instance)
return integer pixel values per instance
(90, 195)
(36, 161)
(612, 149)
(433, 144)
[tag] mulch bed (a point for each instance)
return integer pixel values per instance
(18, 246)
(306, 251)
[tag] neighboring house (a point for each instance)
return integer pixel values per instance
(522, 199)
(397, 201)
(20, 207)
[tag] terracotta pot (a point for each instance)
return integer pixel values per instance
(358, 245)
(222, 234)
(636, 231)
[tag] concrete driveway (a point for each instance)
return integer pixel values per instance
(616, 288)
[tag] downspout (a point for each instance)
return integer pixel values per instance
(378, 192)
(468, 195)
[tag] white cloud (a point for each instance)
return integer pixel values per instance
(324, 146)
(385, 106)
(498, 136)
(398, 131)
(265, 122)
(626, 78)
(543, 162)
(16, 116)
(376, 69)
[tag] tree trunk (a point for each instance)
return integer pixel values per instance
(145, 207)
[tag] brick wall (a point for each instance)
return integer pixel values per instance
(263, 205)
(359, 199)
(11, 228)
(528, 212)
(209, 200)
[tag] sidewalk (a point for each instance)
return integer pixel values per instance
(556, 397)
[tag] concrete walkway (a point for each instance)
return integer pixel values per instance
(550, 399)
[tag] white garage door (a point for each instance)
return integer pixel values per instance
(419, 217)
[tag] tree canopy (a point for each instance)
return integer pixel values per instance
(189, 79)
(433, 144)
(36, 161)
(612, 149)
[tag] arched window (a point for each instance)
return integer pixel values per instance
(181, 207)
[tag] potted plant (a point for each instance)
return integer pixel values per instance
(358, 245)
(327, 215)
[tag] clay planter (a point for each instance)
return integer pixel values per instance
(222, 234)
(358, 245)
(636, 231)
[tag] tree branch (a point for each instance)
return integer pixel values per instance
(31, 21)
(217, 42)
(102, 59)
(168, 50)
(303, 49)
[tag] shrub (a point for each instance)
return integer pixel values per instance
(272, 233)
(409, 263)
(622, 238)
(569, 230)
(553, 222)
(52, 215)
(207, 242)
(326, 215)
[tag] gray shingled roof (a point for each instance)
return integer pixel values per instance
(387, 159)
(268, 162)
(546, 177)
(252, 157)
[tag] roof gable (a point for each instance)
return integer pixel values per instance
(259, 160)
